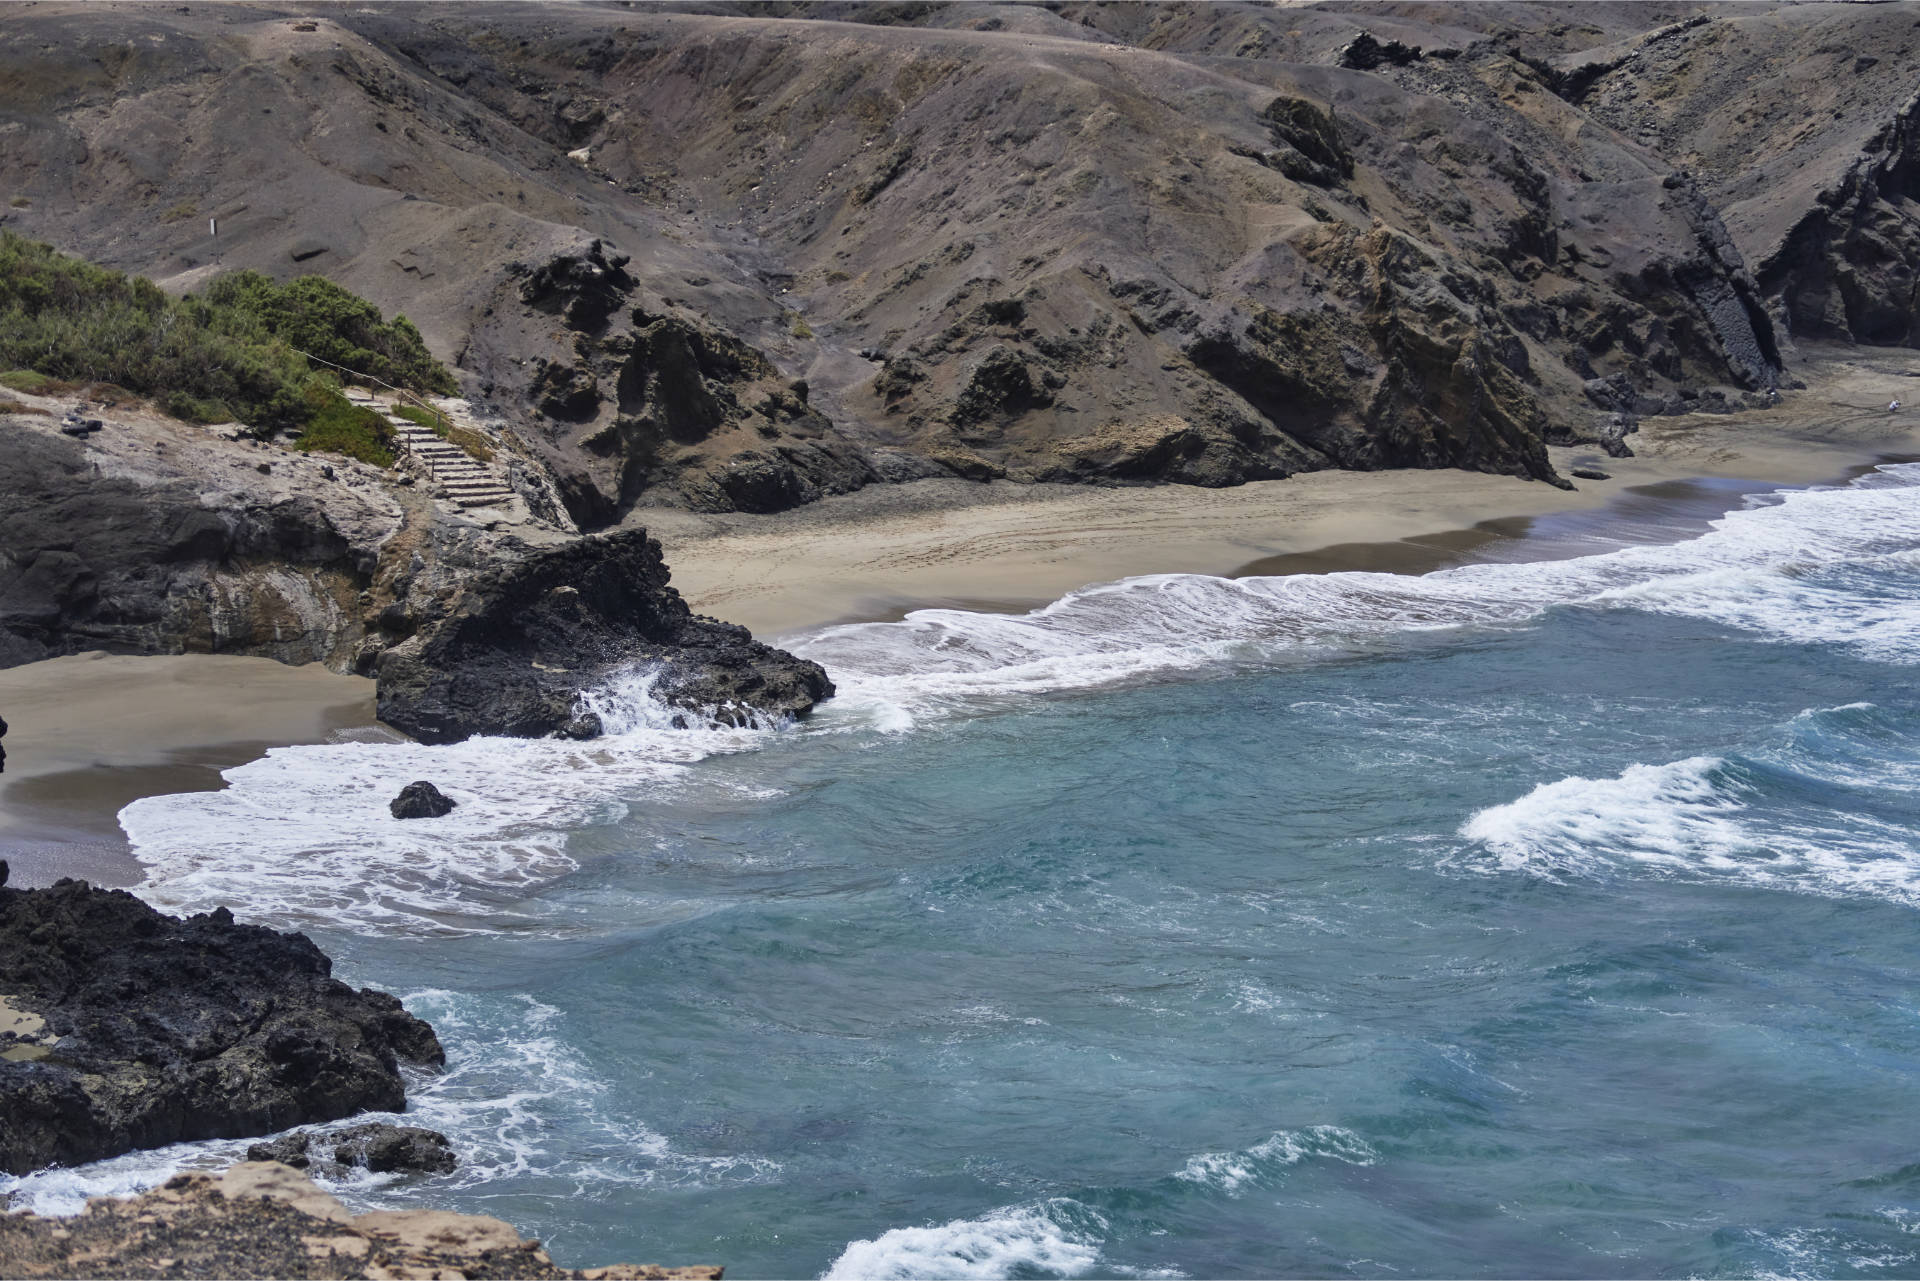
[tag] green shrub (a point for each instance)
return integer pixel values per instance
(314, 315)
(337, 426)
(33, 382)
(230, 353)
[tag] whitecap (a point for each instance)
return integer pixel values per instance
(1230, 1171)
(1058, 1237)
(1700, 818)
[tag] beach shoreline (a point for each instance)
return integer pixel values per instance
(878, 553)
(93, 732)
(90, 733)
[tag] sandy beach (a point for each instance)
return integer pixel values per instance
(89, 733)
(885, 550)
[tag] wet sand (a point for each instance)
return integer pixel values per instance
(90, 733)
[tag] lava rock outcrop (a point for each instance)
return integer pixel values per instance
(132, 1029)
(514, 649)
(377, 1146)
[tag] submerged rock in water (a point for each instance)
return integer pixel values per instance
(523, 638)
(420, 799)
(376, 1146)
(584, 727)
(121, 1028)
(262, 1219)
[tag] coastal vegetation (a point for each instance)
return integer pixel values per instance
(338, 426)
(236, 351)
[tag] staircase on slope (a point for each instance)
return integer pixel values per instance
(470, 482)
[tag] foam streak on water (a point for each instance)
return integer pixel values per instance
(1712, 817)
(1055, 1238)
(1787, 570)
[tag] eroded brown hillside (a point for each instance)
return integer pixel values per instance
(799, 249)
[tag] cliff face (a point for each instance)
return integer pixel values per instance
(746, 258)
(194, 551)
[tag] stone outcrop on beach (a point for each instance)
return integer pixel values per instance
(264, 1220)
(514, 647)
(420, 799)
(122, 1028)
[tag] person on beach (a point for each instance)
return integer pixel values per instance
(1893, 407)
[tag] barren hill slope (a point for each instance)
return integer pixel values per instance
(799, 249)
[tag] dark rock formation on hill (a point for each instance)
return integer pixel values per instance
(264, 1220)
(634, 407)
(749, 256)
(129, 1029)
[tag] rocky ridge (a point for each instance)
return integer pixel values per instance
(265, 1220)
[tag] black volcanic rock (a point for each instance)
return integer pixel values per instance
(525, 637)
(375, 1146)
(141, 1030)
(420, 799)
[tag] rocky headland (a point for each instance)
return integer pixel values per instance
(123, 1028)
(156, 536)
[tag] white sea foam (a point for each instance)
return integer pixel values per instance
(1230, 1171)
(1788, 569)
(303, 835)
(1058, 1237)
(512, 1087)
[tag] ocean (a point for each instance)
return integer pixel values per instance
(1552, 914)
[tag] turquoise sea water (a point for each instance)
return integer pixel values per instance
(1522, 919)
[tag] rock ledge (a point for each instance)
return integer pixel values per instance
(263, 1219)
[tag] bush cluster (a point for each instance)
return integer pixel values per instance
(231, 352)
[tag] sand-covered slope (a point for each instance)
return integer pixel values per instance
(841, 244)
